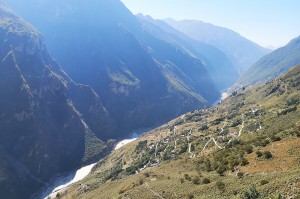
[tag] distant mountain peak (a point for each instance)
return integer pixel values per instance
(241, 51)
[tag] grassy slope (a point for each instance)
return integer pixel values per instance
(272, 65)
(262, 115)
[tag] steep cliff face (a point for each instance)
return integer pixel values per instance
(42, 112)
(140, 84)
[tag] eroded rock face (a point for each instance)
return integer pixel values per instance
(47, 120)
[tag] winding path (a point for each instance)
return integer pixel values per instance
(155, 150)
(222, 129)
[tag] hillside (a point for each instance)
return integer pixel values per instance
(219, 67)
(141, 80)
(241, 51)
(245, 147)
(44, 125)
(272, 65)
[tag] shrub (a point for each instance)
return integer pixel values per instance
(183, 149)
(187, 177)
(234, 143)
(244, 162)
(220, 186)
(181, 180)
(141, 146)
(191, 196)
(262, 143)
(268, 155)
(196, 180)
(249, 149)
(265, 143)
(288, 110)
(203, 128)
(240, 174)
(259, 154)
(263, 182)
(206, 181)
(275, 138)
(221, 170)
(252, 193)
(141, 181)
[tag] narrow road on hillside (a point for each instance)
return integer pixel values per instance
(213, 139)
(192, 155)
(222, 129)
(155, 150)
(176, 143)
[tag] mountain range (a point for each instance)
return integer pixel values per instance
(219, 67)
(224, 39)
(81, 77)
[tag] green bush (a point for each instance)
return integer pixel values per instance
(203, 128)
(181, 180)
(191, 196)
(262, 143)
(267, 155)
(248, 149)
(259, 154)
(220, 186)
(206, 181)
(244, 162)
(240, 174)
(187, 177)
(221, 170)
(275, 138)
(141, 146)
(288, 110)
(252, 193)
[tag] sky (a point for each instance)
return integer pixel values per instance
(270, 23)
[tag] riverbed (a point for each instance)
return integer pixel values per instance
(62, 182)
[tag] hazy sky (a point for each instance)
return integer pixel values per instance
(266, 22)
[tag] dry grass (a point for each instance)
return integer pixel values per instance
(286, 156)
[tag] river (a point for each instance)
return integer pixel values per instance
(61, 182)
